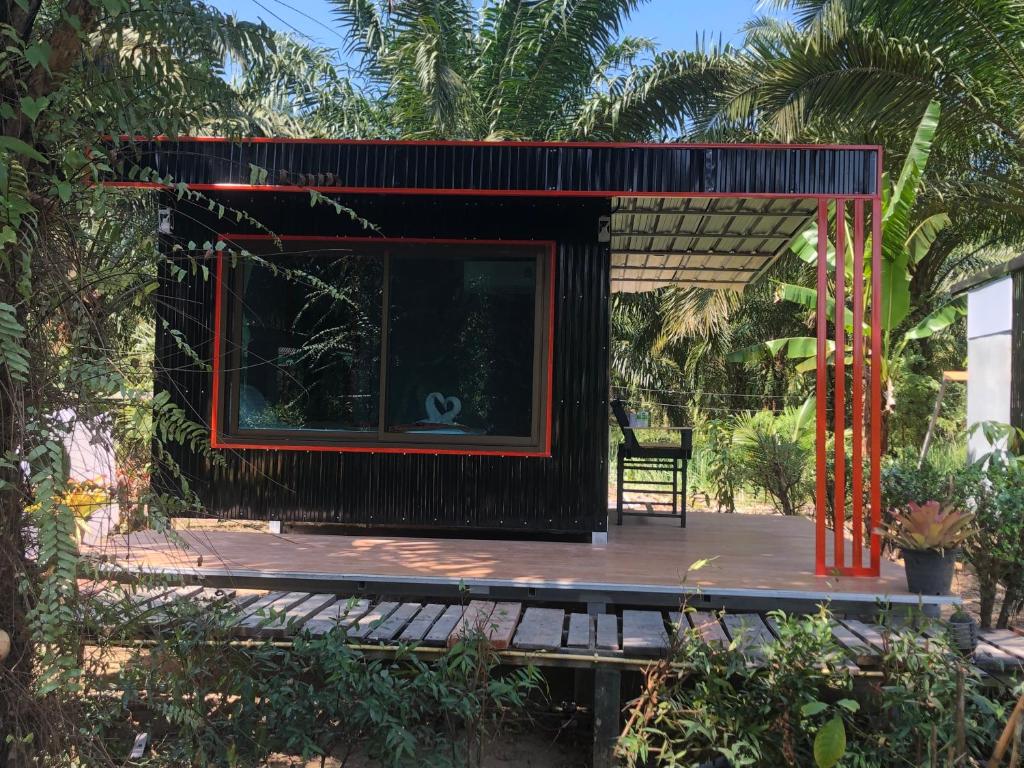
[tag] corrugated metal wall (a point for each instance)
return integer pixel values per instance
(1017, 352)
(510, 166)
(563, 494)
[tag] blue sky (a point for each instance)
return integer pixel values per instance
(672, 23)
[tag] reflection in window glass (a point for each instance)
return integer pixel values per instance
(461, 345)
(310, 343)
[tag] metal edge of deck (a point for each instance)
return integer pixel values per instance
(476, 586)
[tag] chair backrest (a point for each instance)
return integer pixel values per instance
(622, 417)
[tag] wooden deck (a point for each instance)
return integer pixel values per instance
(528, 634)
(770, 558)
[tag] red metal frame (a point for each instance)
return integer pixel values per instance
(838, 564)
(876, 383)
(839, 388)
(857, 417)
(219, 351)
(821, 387)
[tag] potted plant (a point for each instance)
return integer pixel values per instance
(930, 536)
(963, 631)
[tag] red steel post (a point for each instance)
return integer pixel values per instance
(821, 391)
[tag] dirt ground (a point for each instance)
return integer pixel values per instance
(513, 750)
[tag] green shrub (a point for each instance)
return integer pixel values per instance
(992, 488)
(211, 702)
(775, 453)
(799, 704)
(995, 494)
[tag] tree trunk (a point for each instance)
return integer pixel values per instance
(987, 601)
(16, 670)
(21, 713)
(1011, 598)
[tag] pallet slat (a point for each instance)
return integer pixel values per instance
(158, 606)
(1006, 639)
(342, 613)
(989, 656)
(709, 628)
(297, 615)
(496, 621)
(394, 623)
(643, 633)
(748, 631)
(581, 631)
(856, 647)
(607, 632)
(540, 630)
(421, 622)
(442, 629)
(370, 621)
(871, 633)
(256, 616)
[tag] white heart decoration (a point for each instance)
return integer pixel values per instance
(433, 404)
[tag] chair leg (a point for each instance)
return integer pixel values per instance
(675, 486)
(682, 520)
(620, 473)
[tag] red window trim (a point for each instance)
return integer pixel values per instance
(216, 440)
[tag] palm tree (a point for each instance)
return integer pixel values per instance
(865, 70)
(518, 69)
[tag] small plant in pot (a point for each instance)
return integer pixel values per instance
(929, 536)
(963, 631)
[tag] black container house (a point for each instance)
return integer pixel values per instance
(414, 335)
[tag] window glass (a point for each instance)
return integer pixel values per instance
(461, 344)
(310, 342)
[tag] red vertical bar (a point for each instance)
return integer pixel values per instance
(876, 384)
(821, 391)
(839, 398)
(858, 384)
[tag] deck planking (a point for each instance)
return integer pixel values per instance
(709, 628)
(757, 555)
(607, 632)
(341, 613)
(635, 635)
(580, 635)
(417, 628)
(643, 633)
(540, 629)
(495, 621)
(395, 623)
(363, 626)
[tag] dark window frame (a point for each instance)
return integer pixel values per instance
(225, 433)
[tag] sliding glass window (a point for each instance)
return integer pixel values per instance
(356, 344)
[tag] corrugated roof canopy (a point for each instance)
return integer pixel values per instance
(704, 242)
(712, 215)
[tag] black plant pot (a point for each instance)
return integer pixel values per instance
(963, 632)
(929, 572)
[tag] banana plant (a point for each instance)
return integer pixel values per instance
(904, 244)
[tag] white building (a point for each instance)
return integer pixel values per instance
(995, 348)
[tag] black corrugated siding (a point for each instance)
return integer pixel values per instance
(1017, 352)
(512, 167)
(563, 494)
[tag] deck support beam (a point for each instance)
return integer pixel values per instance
(607, 715)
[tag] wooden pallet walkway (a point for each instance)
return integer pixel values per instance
(536, 632)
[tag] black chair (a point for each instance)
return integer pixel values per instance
(657, 457)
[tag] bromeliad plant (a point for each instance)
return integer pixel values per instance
(931, 526)
(930, 535)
